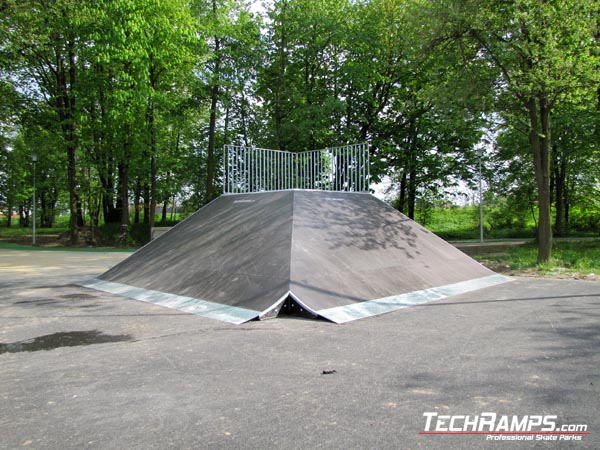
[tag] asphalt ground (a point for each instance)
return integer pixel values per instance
(80, 369)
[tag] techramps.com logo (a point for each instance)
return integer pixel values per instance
(497, 427)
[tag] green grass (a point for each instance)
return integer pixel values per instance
(12, 246)
(462, 223)
(571, 257)
(16, 231)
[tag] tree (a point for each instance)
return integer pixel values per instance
(544, 52)
(44, 40)
(232, 35)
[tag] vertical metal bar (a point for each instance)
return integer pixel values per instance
(301, 164)
(338, 170)
(225, 187)
(350, 168)
(232, 178)
(272, 162)
(241, 170)
(272, 182)
(363, 169)
(313, 166)
(365, 159)
(330, 168)
(310, 170)
(368, 180)
(303, 170)
(354, 177)
(319, 170)
(306, 171)
(317, 160)
(248, 170)
(345, 158)
(233, 169)
(314, 171)
(288, 169)
(360, 168)
(246, 166)
(285, 169)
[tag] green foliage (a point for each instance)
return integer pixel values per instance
(462, 223)
(128, 102)
(570, 257)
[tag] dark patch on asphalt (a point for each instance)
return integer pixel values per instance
(78, 296)
(52, 286)
(37, 301)
(62, 339)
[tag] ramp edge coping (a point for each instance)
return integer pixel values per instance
(348, 313)
(224, 313)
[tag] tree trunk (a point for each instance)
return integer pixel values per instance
(212, 125)
(137, 195)
(69, 126)
(412, 169)
(146, 198)
(153, 146)
(163, 217)
(412, 192)
(560, 169)
(539, 140)
(210, 158)
(123, 204)
(402, 199)
(80, 218)
(9, 209)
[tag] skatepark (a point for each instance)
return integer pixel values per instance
(86, 367)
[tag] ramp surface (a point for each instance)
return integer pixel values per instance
(338, 255)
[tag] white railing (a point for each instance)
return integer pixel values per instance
(250, 169)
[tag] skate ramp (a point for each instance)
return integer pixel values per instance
(336, 255)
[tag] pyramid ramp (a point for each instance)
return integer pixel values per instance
(336, 255)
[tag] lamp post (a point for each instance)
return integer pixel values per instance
(33, 160)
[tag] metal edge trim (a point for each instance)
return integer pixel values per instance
(348, 313)
(217, 311)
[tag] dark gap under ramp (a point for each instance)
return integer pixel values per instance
(337, 255)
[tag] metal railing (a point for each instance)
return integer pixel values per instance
(250, 169)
